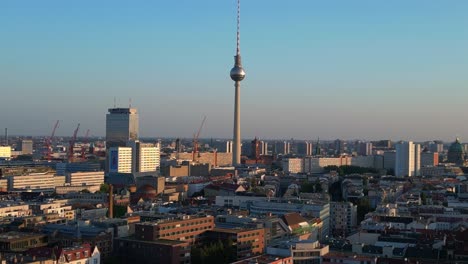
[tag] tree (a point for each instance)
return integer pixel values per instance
(216, 252)
(423, 198)
(104, 188)
(307, 187)
(363, 207)
(318, 186)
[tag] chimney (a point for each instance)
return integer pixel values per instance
(215, 158)
(111, 201)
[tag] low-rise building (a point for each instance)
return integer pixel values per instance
(248, 242)
(20, 242)
(85, 178)
(187, 228)
(133, 250)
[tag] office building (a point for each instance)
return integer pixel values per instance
(64, 168)
(37, 181)
(134, 250)
(85, 178)
(408, 159)
(364, 148)
(186, 228)
(293, 165)
(429, 159)
(145, 156)
(263, 148)
(343, 218)
(26, 147)
(229, 146)
(249, 242)
(120, 160)
(339, 146)
(122, 125)
(5, 152)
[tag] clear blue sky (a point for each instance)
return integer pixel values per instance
(330, 69)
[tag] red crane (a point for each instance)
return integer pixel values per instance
(83, 146)
(195, 141)
(72, 144)
(48, 142)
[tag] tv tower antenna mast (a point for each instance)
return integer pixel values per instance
(237, 75)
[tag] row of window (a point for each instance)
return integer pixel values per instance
(187, 224)
(250, 235)
(186, 231)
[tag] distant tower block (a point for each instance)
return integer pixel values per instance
(237, 75)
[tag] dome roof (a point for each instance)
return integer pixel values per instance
(456, 147)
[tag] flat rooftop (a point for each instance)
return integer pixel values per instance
(13, 235)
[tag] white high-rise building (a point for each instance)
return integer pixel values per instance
(286, 147)
(145, 156)
(5, 152)
(264, 148)
(229, 146)
(408, 159)
(120, 160)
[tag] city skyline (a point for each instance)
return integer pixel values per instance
(358, 70)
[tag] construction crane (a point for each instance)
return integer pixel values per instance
(195, 141)
(83, 146)
(48, 142)
(72, 144)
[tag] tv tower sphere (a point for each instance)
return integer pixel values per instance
(237, 72)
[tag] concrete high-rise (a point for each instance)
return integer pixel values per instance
(264, 147)
(237, 75)
(408, 159)
(145, 156)
(122, 125)
(229, 146)
(120, 160)
(364, 148)
(26, 147)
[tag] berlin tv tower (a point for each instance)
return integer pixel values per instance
(237, 75)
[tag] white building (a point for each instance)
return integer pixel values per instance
(5, 152)
(11, 209)
(286, 147)
(229, 146)
(120, 159)
(148, 158)
(408, 159)
(37, 181)
(264, 148)
(85, 178)
(293, 165)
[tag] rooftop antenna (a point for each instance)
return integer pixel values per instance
(130, 102)
(6, 136)
(115, 102)
(238, 28)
